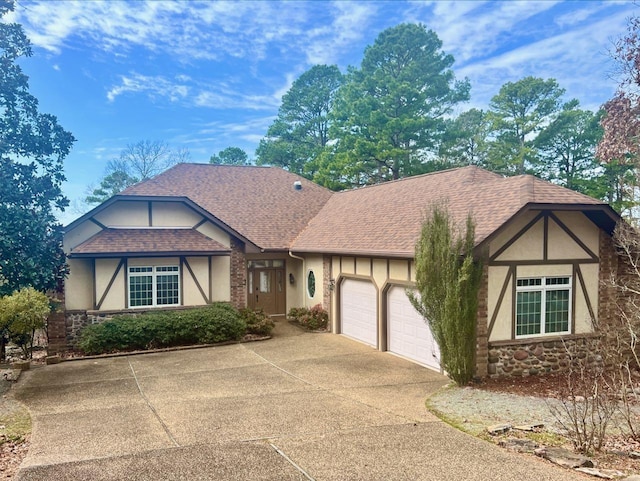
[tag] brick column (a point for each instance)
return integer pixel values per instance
(56, 332)
(326, 281)
(608, 270)
(482, 339)
(238, 275)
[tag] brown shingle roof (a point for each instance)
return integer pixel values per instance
(258, 202)
(148, 241)
(386, 219)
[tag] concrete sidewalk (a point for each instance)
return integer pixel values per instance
(299, 406)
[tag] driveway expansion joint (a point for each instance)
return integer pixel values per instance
(290, 461)
(152, 408)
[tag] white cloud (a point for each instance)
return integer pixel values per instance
(350, 22)
(577, 58)
(154, 87)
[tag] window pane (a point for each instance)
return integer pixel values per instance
(140, 291)
(265, 281)
(311, 284)
(529, 282)
(140, 269)
(167, 289)
(528, 311)
(555, 281)
(557, 311)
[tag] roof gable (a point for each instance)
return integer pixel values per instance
(386, 219)
(261, 203)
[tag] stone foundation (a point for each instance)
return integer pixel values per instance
(521, 358)
(76, 321)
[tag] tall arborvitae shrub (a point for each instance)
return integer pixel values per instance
(447, 283)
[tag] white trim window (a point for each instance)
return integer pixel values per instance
(154, 286)
(543, 306)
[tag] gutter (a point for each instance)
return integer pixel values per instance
(292, 255)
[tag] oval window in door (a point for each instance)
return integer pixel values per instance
(311, 284)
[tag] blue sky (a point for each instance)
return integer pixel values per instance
(209, 75)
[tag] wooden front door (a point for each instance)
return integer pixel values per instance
(267, 290)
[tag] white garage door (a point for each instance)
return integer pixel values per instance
(409, 334)
(358, 311)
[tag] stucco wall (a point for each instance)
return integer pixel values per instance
(191, 295)
(315, 264)
(115, 298)
(79, 286)
(173, 214)
(125, 214)
(221, 278)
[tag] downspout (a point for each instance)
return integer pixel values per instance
(292, 255)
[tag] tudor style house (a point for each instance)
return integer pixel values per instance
(265, 238)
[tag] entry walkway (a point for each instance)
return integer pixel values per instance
(300, 406)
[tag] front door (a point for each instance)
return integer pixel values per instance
(267, 290)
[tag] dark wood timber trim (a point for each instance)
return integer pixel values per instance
(515, 238)
(503, 291)
(585, 293)
(575, 270)
(575, 238)
(195, 279)
(202, 221)
(513, 301)
(98, 223)
(182, 259)
(548, 262)
(545, 238)
(126, 282)
(95, 283)
(210, 278)
(111, 281)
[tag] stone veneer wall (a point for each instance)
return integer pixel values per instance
(238, 275)
(76, 321)
(541, 356)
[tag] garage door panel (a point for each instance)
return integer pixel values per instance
(409, 334)
(358, 311)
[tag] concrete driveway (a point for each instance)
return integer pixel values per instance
(297, 407)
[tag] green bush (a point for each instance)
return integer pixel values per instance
(257, 322)
(21, 314)
(218, 322)
(313, 319)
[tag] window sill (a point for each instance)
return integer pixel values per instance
(537, 339)
(134, 310)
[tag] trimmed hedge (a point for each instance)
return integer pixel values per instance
(215, 323)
